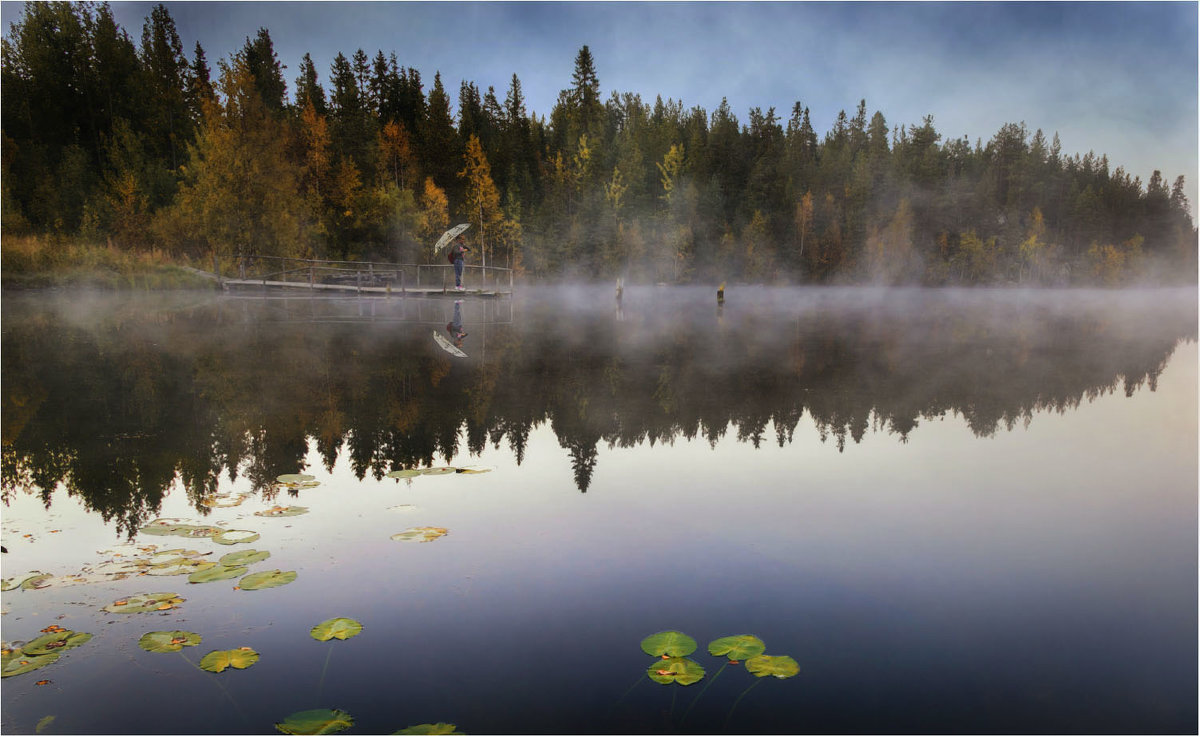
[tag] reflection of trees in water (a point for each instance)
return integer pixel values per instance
(116, 414)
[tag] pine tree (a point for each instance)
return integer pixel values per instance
(441, 145)
(308, 88)
(167, 86)
(262, 63)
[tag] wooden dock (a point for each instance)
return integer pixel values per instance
(366, 277)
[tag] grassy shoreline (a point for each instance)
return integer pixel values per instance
(36, 262)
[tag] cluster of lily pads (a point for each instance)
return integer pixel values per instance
(146, 559)
(39, 652)
(408, 473)
(672, 647)
(329, 721)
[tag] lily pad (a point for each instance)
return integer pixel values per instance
(182, 566)
(171, 556)
(669, 643)
(15, 582)
(178, 529)
(266, 580)
(217, 572)
(40, 581)
(343, 628)
(244, 557)
(219, 660)
(316, 721)
(421, 534)
(168, 641)
(737, 647)
(117, 568)
(439, 728)
(20, 663)
(55, 641)
(224, 500)
(683, 671)
(145, 603)
(278, 511)
(780, 666)
(294, 478)
(406, 473)
(234, 537)
(438, 470)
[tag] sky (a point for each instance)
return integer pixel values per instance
(1118, 78)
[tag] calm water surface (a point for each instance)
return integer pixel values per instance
(958, 511)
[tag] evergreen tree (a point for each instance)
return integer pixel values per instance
(167, 86)
(308, 89)
(262, 64)
(441, 144)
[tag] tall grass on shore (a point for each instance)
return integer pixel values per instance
(45, 261)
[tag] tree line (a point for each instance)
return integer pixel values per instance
(145, 147)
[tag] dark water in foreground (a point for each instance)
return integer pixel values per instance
(960, 512)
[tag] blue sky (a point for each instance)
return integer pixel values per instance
(1117, 78)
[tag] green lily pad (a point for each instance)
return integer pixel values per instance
(737, 647)
(234, 537)
(437, 470)
(439, 728)
(181, 567)
(15, 582)
(145, 603)
(278, 511)
(294, 478)
(406, 473)
(168, 641)
(219, 660)
(780, 666)
(316, 721)
(266, 580)
(670, 643)
(23, 663)
(179, 529)
(217, 572)
(244, 557)
(421, 534)
(683, 671)
(343, 628)
(40, 581)
(55, 641)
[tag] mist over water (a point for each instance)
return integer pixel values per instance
(959, 510)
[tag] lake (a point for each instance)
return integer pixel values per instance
(957, 511)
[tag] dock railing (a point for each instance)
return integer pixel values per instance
(368, 274)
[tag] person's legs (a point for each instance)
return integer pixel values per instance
(458, 269)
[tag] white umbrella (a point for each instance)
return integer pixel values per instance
(449, 235)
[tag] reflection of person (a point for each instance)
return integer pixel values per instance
(458, 252)
(455, 327)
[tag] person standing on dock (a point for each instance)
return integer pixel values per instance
(457, 253)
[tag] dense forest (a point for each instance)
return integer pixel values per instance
(147, 148)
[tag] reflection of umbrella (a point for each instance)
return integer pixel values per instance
(447, 345)
(449, 235)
